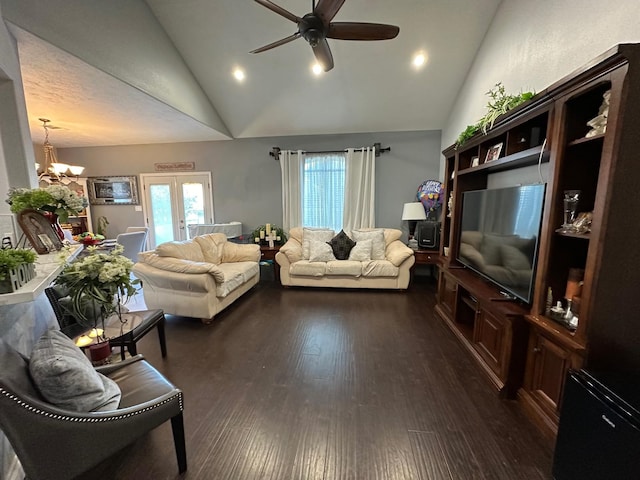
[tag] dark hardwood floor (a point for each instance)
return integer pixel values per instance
(331, 384)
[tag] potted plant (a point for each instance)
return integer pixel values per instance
(56, 202)
(97, 285)
(500, 103)
(16, 268)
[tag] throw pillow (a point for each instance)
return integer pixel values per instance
(361, 252)
(376, 236)
(320, 252)
(514, 258)
(187, 250)
(341, 245)
(318, 234)
(65, 377)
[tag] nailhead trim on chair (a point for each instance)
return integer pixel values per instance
(55, 416)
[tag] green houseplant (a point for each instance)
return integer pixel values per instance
(499, 103)
(97, 285)
(11, 260)
(56, 199)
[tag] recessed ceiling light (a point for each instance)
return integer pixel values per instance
(239, 74)
(317, 68)
(419, 60)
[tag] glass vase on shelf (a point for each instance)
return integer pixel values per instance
(570, 204)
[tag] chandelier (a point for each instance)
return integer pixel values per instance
(54, 171)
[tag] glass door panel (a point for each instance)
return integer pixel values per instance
(172, 202)
(161, 213)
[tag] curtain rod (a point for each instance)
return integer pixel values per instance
(275, 151)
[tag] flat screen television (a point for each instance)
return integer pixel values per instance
(499, 234)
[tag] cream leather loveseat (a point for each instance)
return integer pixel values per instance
(199, 277)
(379, 260)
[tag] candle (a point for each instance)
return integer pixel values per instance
(268, 229)
(261, 234)
(257, 239)
(278, 238)
(96, 332)
(83, 341)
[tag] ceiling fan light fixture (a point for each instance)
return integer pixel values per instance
(316, 27)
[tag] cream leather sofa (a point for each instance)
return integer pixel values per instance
(197, 278)
(392, 270)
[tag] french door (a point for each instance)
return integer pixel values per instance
(172, 201)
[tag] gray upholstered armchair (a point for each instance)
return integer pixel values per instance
(54, 443)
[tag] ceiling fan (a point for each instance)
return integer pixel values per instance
(316, 27)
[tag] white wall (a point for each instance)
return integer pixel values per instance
(122, 38)
(16, 153)
(531, 45)
(246, 180)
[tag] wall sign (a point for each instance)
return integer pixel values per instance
(175, 167)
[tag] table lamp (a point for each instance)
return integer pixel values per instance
(413, 212)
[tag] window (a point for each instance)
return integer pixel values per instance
(323, 190)
(529, 203)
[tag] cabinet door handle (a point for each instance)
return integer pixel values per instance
(537, 350)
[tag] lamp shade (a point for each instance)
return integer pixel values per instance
(413, 211)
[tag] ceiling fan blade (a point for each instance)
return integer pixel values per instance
(279, 10)
(277, 44)
(327, 9)
(362, 31)
(323, 54)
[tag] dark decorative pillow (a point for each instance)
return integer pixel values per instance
(341, 245)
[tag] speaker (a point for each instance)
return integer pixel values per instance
(428, 234)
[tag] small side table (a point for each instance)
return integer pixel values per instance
(269, 255)
(427, 257)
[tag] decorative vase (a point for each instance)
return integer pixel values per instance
(53, 219)
(100, 353)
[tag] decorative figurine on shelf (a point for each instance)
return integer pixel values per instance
(598, 124)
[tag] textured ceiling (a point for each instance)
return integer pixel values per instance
(372, 88)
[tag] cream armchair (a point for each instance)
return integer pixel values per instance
(197, 278)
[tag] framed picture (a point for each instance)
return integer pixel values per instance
(113, 190)
(39, 231)
(493, 153)
(475, 161)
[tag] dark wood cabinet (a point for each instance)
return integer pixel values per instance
(493, 331)
(594, 270)
(489, 338)
(548, 363)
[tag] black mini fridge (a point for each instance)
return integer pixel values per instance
(599, 430)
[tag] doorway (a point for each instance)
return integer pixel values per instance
(172, 201)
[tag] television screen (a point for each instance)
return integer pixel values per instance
(499, 236)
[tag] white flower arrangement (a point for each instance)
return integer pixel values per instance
(57, 199)
(98, 279)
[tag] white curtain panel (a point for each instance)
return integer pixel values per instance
(359, 188)
(291, 168)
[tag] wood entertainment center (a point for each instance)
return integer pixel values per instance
(523, 351)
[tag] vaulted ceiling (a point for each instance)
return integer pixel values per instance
(373, 87)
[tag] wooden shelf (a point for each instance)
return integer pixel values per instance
(582, 236)
(558, 332)
(584, 140)
(524, 158)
